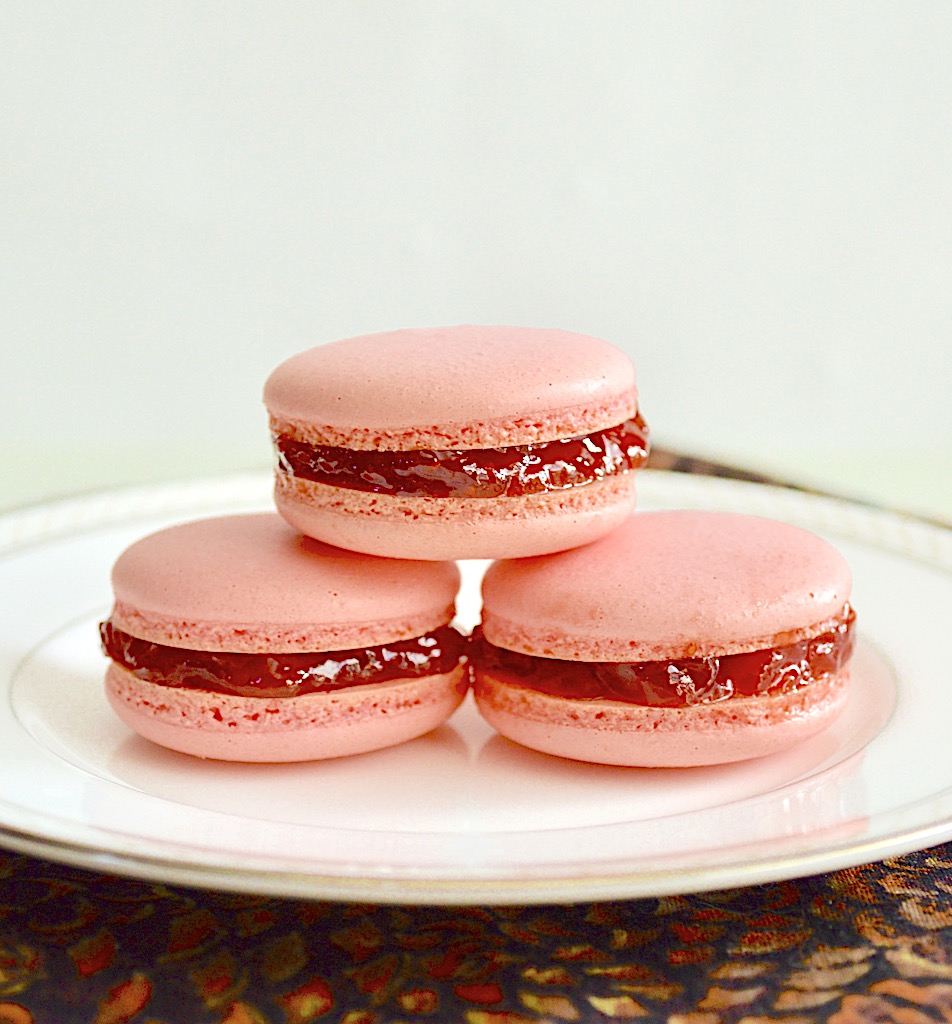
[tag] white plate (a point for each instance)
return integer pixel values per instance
(463, 816)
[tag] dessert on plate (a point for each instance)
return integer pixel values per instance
(682, 638)
(457, 442)
(667, 638)
(238, 639)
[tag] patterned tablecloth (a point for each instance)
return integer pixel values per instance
(868, 944)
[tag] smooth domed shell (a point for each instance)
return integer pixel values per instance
(668, 584)
(452, 387)
(252, 583)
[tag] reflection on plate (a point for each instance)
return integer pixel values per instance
(462, 815)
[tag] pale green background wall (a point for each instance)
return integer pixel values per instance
(754, 199)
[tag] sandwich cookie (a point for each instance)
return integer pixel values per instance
(683, 638)
(457, 442)
(238, 639)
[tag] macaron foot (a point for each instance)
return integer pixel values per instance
(311, 727)
(436, 529)
(615, 733)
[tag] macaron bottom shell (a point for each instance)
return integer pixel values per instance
(615, 733)
(436, 529)
(314, 726)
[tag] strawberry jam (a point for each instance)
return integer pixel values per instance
(283, 675)
(477, 473)
(677, 683)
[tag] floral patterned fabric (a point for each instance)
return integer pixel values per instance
(868, 944)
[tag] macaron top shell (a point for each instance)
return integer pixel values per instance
(251, 583)
(668, 584)
(452, 387)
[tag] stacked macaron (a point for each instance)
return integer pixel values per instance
(469, 442)
(608, 635)
(238, 639)
(682, 638)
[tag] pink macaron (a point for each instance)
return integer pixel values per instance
(683, 638)
(457, 442)
(238, 639)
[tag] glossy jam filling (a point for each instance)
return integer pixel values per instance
(478, 473)
(681, 683)
(283, 675)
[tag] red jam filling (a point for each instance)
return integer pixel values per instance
(478, 473)
(678, 683)
(283, 675)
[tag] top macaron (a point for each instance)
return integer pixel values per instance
(457, 442)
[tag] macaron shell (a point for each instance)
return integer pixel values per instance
(424, 527)
(252, 583)
(613, 733)
(311, 727)
(668, 584)
(452, 387)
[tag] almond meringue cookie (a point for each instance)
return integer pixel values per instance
(236, 638)
(457, 442)
(683, 638)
